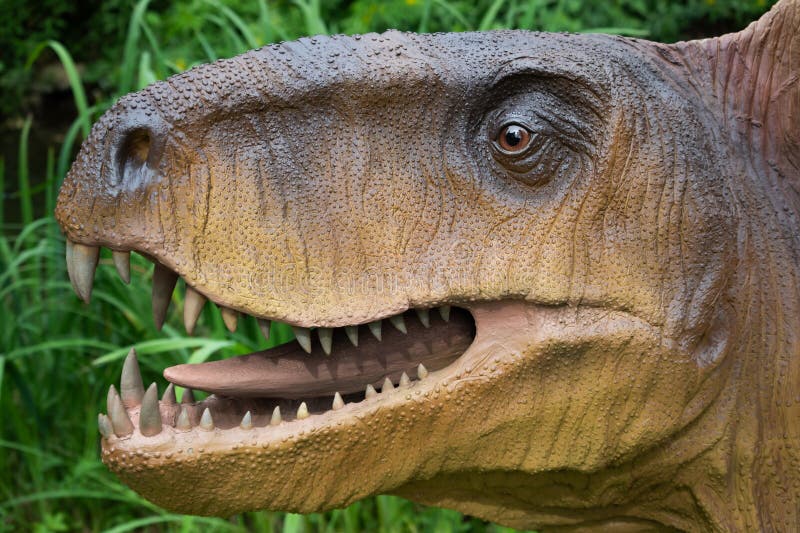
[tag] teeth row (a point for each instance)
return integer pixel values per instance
(82, 263)
(132, 394)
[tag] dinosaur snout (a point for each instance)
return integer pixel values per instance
(114, 194)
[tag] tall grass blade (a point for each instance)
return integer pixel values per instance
(211, 54)
(160, 68)
(160, 346)
(489, 19)
(25, 200)
(265, 22)
(2, 370)
(146, 75)
(129, 62)
(229, 14)
(455, 13)
(238, 44)
(67, 146)
(214, 524)
(310, 9)
(2, 192)
(294, 523)
(425, 18)
(50, 181)
(75, 83)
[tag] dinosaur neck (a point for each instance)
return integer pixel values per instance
(765, 451)
(747, 477)
(737, 466)
(752, 80)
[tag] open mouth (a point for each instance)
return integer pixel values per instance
(323, 370)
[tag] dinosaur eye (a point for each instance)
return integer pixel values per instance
(514, 138)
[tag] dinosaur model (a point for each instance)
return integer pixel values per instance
(548, 280)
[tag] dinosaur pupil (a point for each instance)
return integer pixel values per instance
(513, 135)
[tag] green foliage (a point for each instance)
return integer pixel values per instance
(171, 36)
(58, 356)
(90, 28)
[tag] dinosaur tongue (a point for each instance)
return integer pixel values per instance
(290, 373)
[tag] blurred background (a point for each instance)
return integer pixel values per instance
(62, 63)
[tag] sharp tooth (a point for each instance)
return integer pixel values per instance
(338, 403)
(192, 307)
(112, 392)
(422, 372)
(81, 267)
(206, 422)
(68, 250)
(122, 260)
(325, 339)
(276, 416)
(183, 423)
(375, 329)
(120, 420)
(398, 322)
(370, 392)
(164, 281)
(230, 317)
(247, 421)
(302, 411)
(150, 416)
(169, 395)
(352, 334)
(130, 384)
(188, 396)
(263, 325)
(387, 386)
(104, 425)
(404, 380)
(444, 312)
(424, 316)
(303, 336)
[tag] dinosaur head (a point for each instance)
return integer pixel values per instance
(528, 243)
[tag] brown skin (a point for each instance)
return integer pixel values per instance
(635, 289)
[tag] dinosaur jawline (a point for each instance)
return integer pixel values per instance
(287, 372)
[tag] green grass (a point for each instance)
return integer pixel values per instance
(58, 356)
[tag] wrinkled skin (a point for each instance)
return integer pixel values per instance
(633, 277)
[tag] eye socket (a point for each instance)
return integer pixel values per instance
(514, 138)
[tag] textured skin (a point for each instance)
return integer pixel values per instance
(634, 282)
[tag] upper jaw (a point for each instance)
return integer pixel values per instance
(82, 261)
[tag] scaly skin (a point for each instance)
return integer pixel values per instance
(635, 289)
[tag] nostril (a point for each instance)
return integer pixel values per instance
(133, 156)
(136, 146)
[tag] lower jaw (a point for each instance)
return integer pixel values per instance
(473, 413)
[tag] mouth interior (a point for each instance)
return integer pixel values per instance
(287, 372)
(286, 375)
